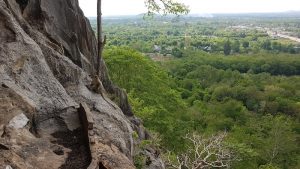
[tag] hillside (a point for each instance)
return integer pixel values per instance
(211, 85)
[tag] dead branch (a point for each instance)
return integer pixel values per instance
(203, 153)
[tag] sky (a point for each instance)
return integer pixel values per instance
(134, 7)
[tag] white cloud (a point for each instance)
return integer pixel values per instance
(131, 7)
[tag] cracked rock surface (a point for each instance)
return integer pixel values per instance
(47, 52)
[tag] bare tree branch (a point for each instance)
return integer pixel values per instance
(166, 6)
(204, 153)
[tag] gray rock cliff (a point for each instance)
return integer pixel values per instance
(47, 52)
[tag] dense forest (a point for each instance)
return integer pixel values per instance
(226, 79)
(223, 34)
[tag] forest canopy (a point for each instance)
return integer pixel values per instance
(212, 80)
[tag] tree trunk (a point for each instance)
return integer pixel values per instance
(99, 35)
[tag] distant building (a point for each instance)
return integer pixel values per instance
(157, 48)
(207, 48)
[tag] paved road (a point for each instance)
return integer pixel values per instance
(289, 37)
(271, 33)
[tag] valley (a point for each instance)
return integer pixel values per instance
(232, 74)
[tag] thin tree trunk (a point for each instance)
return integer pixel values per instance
(99, 35)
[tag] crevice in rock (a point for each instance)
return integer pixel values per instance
(4, 85)
(101, 166)
(43, 97)
(67, 53)
(3, 147)
(55, 45)
(79, 156)
(23, 4)
(70, 5)
(33, 127)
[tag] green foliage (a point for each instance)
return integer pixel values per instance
(204, 95)
(166, 7)
(135, 135)
(150, 93)
(177, 52)
(279, 64)
(227, 48)
(246, 44)
(236, 46)
(271, 138)
(268, 166)
(252, 94)
(206, 34)
(241, 104)
(139, 161)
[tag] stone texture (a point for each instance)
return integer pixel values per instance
(47, 52)
(18, 122)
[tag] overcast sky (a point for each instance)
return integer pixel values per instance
(132, 7)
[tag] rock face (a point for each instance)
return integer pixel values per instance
(47, 52)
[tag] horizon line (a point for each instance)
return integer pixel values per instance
(213, 13)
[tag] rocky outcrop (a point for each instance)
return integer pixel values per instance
(47, 54)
